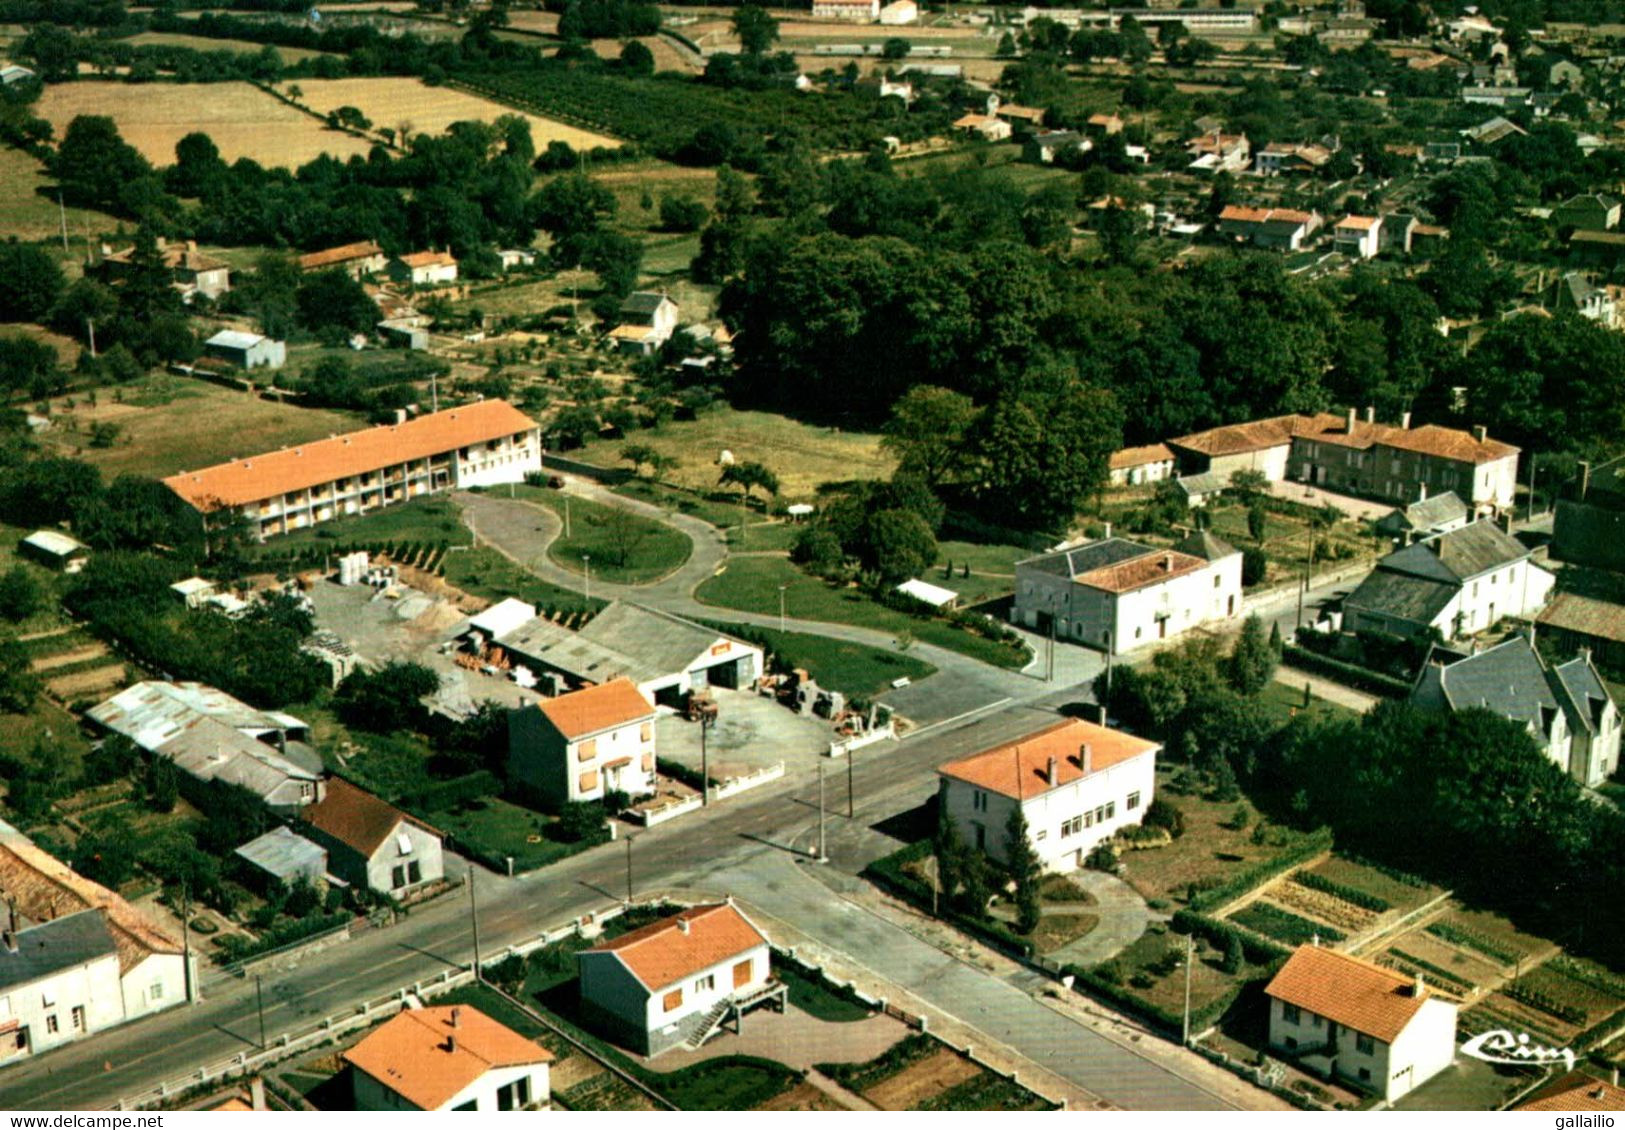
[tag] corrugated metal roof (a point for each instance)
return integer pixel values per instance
(285, 854)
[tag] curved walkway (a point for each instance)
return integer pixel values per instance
(1123, 918)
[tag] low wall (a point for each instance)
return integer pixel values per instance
(733, 786)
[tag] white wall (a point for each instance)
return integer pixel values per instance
(697, 997)
(93, 986)
(483, 1092)
(1519, 589)
(426, 853)
(506, 462)
(637, 779)
(1427, 1046)
(155, 984)
(1211, 593)
(1494, 484)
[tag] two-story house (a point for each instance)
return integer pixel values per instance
(1591, 211)
(1359, 237)
(1282, 229)
(675, 982)
(1566, 707)
(59, 981)
(584, 744)
(647, 321)
(424, 268)
(357, 260)
(1280, 157)
(371, 843)
(1355, 1021)
(1117, 595)
(1456, 583)
(1134, 466)
(448, 1057)
(1574, 291)
(1217, 151)
(1077, 784)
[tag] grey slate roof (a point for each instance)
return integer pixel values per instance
(1207, 546)
(1586, 692)
(1508, 679)
(1401, 596)
(1087, 558)
(624, 639)
(642, 302)
(55, 946)
(1428, 514)
(1458, 555)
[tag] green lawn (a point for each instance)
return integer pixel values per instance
(999, 560)
(485, 572)
(1284, 702)
(47, 617)
(625, 548)
(815, 999)
(45, 723)
(421, 520)
(751, 584)
(494, 828)
(734, 1082)
(854, 669)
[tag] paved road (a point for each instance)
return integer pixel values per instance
(742, 845)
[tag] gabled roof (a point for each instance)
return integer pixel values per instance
(1585, 615)
(1508, 680)
(665, 952)
(1429, 513)
(1457, 555)
(418, 259)
(1255, 435)
(428, 1056)
(1077, 560)
(1578, 1092)
(43, 888)
(355, 453)
(54, 947)
(1140, 456)
(643, 302)
(235, 339)
(1206, 545)
(593, 710)
(1153, 568)
(1020, 769)
(284, 853)
(1345, 990)
(333, 256)
(357, 819)
(1401, 596)
(1584, 694)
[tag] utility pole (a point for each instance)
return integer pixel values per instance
(90, 328)
(1190, 957)
(586, 572)
(186, 943)
(474, 921)
(781, 608)
(1303, 587)
(434, 392)
(259, 997)
(629, 868)
(705, 763)
(1049, 671)
(822, 857)
(566, 515)
(62, 213)
(1110, 647)
(849, 800)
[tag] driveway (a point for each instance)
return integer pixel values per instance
(1320, 496)
(1123, 918)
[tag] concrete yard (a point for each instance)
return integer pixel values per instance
(751, 732)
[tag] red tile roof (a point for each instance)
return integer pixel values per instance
(663, 953)
(1356, 223)
(1356, 994)
(428, 1056)
(355, 453)
(1020, 769)
(1255, 435)
(429, 259)
(1577, 1091)
(356, 818)
(595, 709)
(1140, 456)
(334, 256)
(1138, 572)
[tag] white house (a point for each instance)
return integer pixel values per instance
(424, 268)
(1457, 583)
(1219, 152)
(1077, 784)
(647, 321)
(247, 350)
(858, 11)
(1117, 595)
(56, 549)
(448, 1057)
(1280, 229)
(355, 259)
(1358, 236)
(59, 981)
(1349, 1019)
(371, 843)
(899, 12)
(677, 981)
(1566, 707)
(582, 745)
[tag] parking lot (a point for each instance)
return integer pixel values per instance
(751, 732)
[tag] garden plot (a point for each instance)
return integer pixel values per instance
(1402, 892)
(1322, 906)
(1453, 968)
(922, 1073)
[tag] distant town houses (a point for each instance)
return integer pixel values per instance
(1437, 514)
(1289, 158)
(1574, 622)
(355, 259)
(1359, 237)
(1566, 707)
(1339, 1016)
(482, 444)
(194, 272)
(985, 126)
(1454, 584)
(585, 744)
(1118, 595)
(857, 11)
(1276, 228)
(1076, 783)
(1574, 291)
(372, 844)
(1577, 1092)
(675, 982)
(1217, 151)
(448, 1057)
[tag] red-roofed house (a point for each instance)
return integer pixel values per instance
(1359, 236)
(1344, 1017)
(424, 268)
(1279, 228)
(371, 843)
(1135, 465)
(584, 744)
(450, 1057)
(677, 981)
(1077, 784)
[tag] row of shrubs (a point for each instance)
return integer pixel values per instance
(1316, 842)
(1428, 967)
(1363, 678)
(887, 872)
(1598, 979)
(1363, 899)
(1126, 999)
(1393, 873)
(235, 947)
(1534, 998)
(1473, 940)
(1257, 949)
(1291, 928)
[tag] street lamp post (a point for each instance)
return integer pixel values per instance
(586, 572)
(781, 607)
(705, 763)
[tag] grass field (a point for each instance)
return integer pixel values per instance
(242, 120)
(408, 106)
(623, 547)
(159, 435)
(1284, 702)
(855, 669)
(803, 456)
(204, 43)
(495, 828)
(751, 584)
(485, 572)
(26, 214)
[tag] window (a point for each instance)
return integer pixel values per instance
(514, 1095)
(1317, 1021)
(1364, 1044)
(1088, 819)
(78, 1018)
(414, 873)
(403, 843)
(706, 984)
(1365, 1075)
(1291, 1014)
(471, 1104)
(1042, 834)
(1071, 827)
(978, 800)
(397, 878)
(51, 1025)
(1111, 809)
(1132, 802)
(157, 991)
(1100, 815)
(672, 1000)
(1291, 1043)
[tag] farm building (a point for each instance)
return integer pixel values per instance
(210, 735)
(665, 656)
(858, 11)
(582, 745)
(899, 12)
(1133, 466)
(481, 444)
(926, 593)
(448, 1057)
(285, 856)
(677, 981)
(984, 126)
(1076, 784)
(1572, 622)
(371, 843)
(246, 350)
(1117, 595)
(55, 549)
(404, 335)
(12, 74)
(331, 649)
(647, 321)
(194, 272)
(1339, 1016)
(424, 268)
(354, 259)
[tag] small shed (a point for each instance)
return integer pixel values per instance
(193, 591)
(1198, 489)
(56, 549)
(286, 856)
(936, 596)
(246, 350)
(404, 334)
(502, 617)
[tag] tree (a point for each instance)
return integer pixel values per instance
(637, 454)
(30, 282)
(1255, 566)
(163, 785)
(1022, 863)
(20, 594)
(749, 475)
(755, 28)
(927, 430)
(895, 48)
(637, 59)
(1257, 523)
(19, 686)
(332, 300)
(817, 550)
(899, 545)
(616, 259)
(624, 534)
(388, 699)
(681, 213)
(1122, 230)
(572, 209)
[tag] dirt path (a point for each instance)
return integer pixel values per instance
(1357, 701)
(68, 658)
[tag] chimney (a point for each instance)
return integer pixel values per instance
(1506, 522)
(1585, 478)
(256, 1093)
(1351, 420)
(1422, 493)
(1167, 563)
(1314, 939)
(1085, 758)
(1480, 432)
(1370, 414)
(1420, 989)
(1100, 712)
(682, 925)
(1050, 774)
(1405, 421)
(456, 1016)
(1615, 1077)
(1108, 533)
(9, 940)
(451, 1043)
(191, 245)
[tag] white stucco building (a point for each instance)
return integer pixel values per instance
(1117, 595)
(677, 981)
(372, 843)
(448, 1057)
(1077, 784)
(1343, 1017)
(584, 744)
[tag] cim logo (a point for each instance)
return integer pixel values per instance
(1500, 1046)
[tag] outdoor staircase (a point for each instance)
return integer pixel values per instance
(706, 1024)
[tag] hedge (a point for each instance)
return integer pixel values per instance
(234, 947)
(1393, 873)
(447, 794)
(680, 772)
(1120, 996)
(1428, 967)
(1362, 678)
(1473, 940)
(1255, 947)
(1316, 842)
(1363, 899)
(858, 1077)
(887, 872)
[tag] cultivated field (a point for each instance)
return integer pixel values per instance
(407, 105)
(243, 121)
(26, 214)
(667, 56)
(160, 437)
(205, 43)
